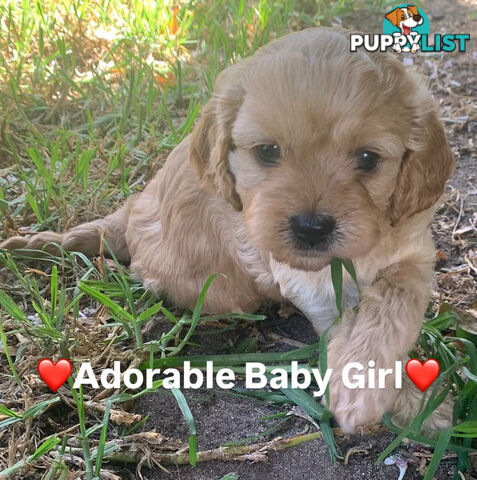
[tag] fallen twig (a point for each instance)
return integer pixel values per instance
(254, 452)
(116, 416)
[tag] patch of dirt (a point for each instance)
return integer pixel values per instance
(223, 418)
(452, 81)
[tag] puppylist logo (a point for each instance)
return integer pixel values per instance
(406, 29)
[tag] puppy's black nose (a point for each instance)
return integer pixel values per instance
(310, 230)
(417, 18)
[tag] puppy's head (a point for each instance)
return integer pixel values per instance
(321, 148)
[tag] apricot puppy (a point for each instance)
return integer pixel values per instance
(305, 152)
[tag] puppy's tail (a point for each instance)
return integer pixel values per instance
(85, 238)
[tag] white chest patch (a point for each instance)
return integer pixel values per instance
(313, 293)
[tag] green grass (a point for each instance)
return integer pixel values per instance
(93, 96)
(95, 92)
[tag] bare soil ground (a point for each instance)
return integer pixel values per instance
(222, 418)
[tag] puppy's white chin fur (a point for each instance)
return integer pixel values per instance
(307, 264)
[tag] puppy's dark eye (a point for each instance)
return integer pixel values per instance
(367, 160)
(268, 153)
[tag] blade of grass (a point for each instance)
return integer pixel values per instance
(3, 341)
(43, 449)
(323, 359)
(337, 280)
(102, 440)
(79, 401)
(184, 406)
(442, 442)
(195, 316)
(237, 359)
(319, 413)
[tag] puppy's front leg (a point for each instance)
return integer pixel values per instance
(382, 329)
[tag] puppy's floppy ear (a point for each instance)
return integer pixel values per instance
(392, 16)
(426, 165)
(211, 139)
(413, 9)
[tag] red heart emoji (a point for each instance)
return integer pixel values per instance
(422, 375)
(54, 374)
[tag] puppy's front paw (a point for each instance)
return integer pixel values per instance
(353, 407)
(366, 403)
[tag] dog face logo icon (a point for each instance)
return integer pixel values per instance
(407, 23)
(405, 18)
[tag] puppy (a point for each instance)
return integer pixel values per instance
(305, 152)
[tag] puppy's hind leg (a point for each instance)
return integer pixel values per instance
(408, 403)
(85, 238)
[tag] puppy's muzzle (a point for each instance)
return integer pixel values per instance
(312, 231)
